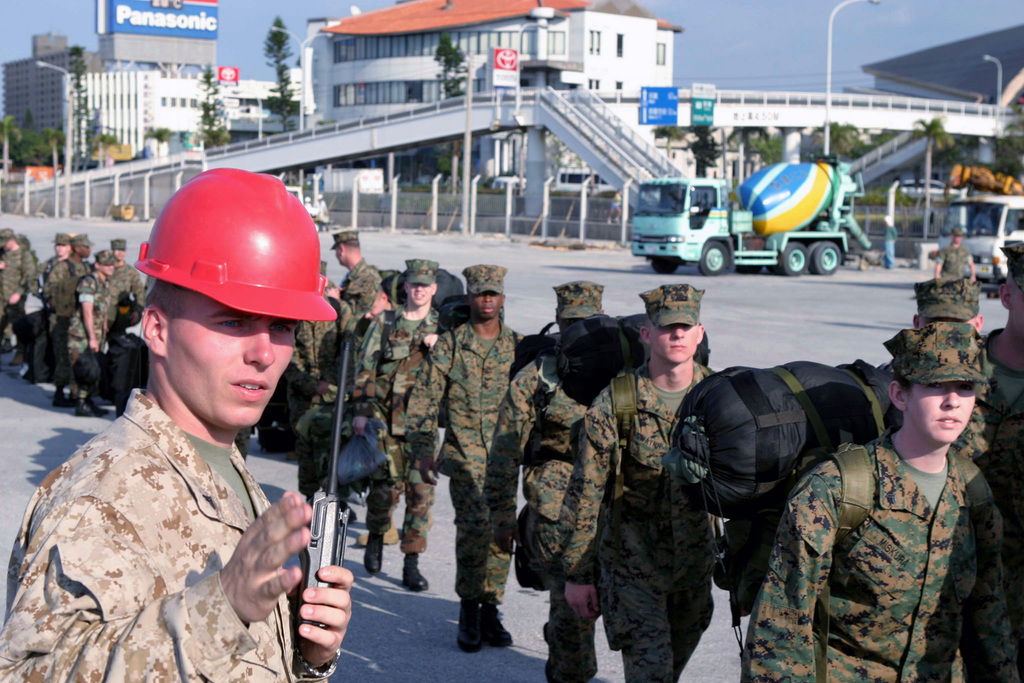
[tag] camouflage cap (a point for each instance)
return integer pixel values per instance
(420, 271)
(1015, 262)
(671, 304)
(579, 299)
(957, 232)
(106, 258)
(484, 278)
(345, 236)
(950, 298)
(6, 235)
(119, 244)
(938, 352)
(80, 240)
(62, 239)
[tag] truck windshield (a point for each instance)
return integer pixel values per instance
(976, 219)
(662, 199)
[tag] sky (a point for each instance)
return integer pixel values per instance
(734, 44)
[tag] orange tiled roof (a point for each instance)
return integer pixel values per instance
(428, 15)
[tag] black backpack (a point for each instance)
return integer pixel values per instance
(531, 347)
(593, 351)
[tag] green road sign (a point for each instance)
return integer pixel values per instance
(702, 112)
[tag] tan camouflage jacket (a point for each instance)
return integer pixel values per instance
(474, 384)
(662, 542)
(115, 573)
(994, 439)
(385, 377)
(535, 397)
(909, 586)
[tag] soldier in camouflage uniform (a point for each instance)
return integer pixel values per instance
(533, 431)
(63, 307)
(652, 569)
(469, 365)
(61, 251)
(920, 577)
(386, 372)
(126, 281)
(953, 259)
(994, 439)
(951, 301)
(87, 331)
(15, 280)
(362, 284)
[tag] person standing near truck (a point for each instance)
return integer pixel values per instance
(954, 258)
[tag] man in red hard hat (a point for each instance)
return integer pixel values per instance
(152, 554)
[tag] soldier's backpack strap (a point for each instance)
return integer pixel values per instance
(869, 393)
(623, 388)
(387, 326)
(805, 402)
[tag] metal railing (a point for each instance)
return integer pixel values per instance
(652, 157)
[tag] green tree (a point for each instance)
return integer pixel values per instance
(450, 60)
(80, 132)
(843, 139)
(28, 121)
(934, 132)
(750, 137)
(211, 123)
(278, 51)
(669, 134)
(55, 140)
(162, 137)
(101, 142)
(11, 133)
(704, 148)
(1009, 147)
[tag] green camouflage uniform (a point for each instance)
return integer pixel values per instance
(384, 380)
(15, 278)
(363, 281)
(954, 261)
(474, 381)
(94, 289)
(304, 372)
(59, 323)
(954, 299)
(910, 585)
(124, 280)
(653, 572)
(537, 416)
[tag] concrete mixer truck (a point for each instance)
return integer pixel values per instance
(793, 218)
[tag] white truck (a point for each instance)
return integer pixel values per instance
(989, 222)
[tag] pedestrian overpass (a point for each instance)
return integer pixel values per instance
(592, 125)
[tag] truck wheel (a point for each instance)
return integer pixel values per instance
(664, 266)
(714, 259)
(825, 258)
(793, 261)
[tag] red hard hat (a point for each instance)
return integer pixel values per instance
(241, 239)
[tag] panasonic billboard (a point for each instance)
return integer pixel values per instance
(171, 18)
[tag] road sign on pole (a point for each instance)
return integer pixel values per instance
(702, 104)
(659, 106)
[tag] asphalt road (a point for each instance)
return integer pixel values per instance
(753, 320)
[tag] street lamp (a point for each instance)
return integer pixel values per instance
(828, 65)
(67, 136)
(302, 66)
(999, 78)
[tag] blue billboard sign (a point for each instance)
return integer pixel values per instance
(171, 18)
(659, 106)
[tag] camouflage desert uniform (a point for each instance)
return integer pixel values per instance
(95, 290)
(474, 381)
(654, 582)
(994, 439)
(908, 586)
(115, 570)
(537, 386)
(954, 261)
(384, 381)
(59, 323)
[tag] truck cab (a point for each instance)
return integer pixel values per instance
(989, 223)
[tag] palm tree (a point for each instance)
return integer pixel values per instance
(934, 132)
(162, 137)
(104, 140)
(746, 137)
(8, 131)
(843, 139)
(670, 133)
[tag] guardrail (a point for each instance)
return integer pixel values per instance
(876, 155)
(652, 156)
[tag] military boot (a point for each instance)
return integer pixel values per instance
(60, 400)
(374, 550)
(82, 409)
(96, 410)
(491, 629)
(469, 626)
(411, 577)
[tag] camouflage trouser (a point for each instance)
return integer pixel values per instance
(481, 566)
(76, 347)
(571, 657)
(10, 314)
(387, 486)
(313, 450)
(656, 631)
(59, 339)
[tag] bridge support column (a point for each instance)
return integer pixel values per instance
(986, 151)
(86, 198)
(536, 156)
(487, 148)
(791, 138)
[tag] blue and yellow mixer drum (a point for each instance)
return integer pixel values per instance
(785, 197)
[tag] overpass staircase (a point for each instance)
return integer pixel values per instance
(890, 155)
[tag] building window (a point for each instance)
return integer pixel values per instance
(193, 103)
(529, 44)
(618, 85)
(619, 40)
(163, 101)
(595, 42)
(556, 43)
(661, 54)
(594, 84)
